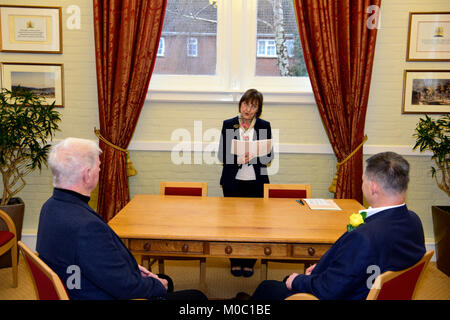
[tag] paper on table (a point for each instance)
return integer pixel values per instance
(257, 148)
(322, 204)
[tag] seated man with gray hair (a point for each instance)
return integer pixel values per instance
(390, 238)
(78, 244)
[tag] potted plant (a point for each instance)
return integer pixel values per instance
(26, 124)
(434, 135)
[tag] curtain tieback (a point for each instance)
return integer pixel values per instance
(332, 187)
(131, 171)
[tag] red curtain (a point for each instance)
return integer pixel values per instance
(338, 39)
(127, 35)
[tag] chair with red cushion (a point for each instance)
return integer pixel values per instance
(8, 241)
(181, 188)
(390, 285)
(47, 285)
(399, 285)
(295, 191)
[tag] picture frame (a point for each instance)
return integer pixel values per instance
(426, 91)
(30, 29)
(44, 79)
(428, 36)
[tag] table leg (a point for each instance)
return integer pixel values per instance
(161, 266)
(203, 275)
(264, 269)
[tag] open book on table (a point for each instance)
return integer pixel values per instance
(321, 204)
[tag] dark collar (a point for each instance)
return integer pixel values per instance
(75, 194)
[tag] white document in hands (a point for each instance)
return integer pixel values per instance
(322, 204)
(256, 148)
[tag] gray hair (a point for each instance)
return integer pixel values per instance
(390, 170)
(68, 158)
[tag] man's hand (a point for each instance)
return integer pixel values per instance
(290, 280)
(310, 269)
(145, 273)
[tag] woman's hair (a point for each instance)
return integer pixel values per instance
(390, 170)
(252, 95)
(68, 158)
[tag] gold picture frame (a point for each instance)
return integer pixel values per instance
(44, 79)
(428, 36)
(30, 29)
(426, 91)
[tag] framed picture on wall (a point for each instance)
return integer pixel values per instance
(30, 29)
(43, 79)
(429, 36)
(426, 91)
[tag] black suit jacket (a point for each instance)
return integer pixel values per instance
(70, 233)
(230, 131)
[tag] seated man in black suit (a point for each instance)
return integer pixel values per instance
(78, 244)
(390, 238)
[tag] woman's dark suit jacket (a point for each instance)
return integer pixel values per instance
(230, 131)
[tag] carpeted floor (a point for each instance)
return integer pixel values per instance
(221, 284)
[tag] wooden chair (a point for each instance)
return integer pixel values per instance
(296, 191)
(47, 285)
(400, 285)
(8, 241)
(390, 285)
(180, 188)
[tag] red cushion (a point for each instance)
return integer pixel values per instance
(287, 193)
(46, 289)
(5, 236)
(183, 191)
(401, 287)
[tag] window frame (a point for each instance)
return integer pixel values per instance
(266, 47)
(190, 52)
(235, 71)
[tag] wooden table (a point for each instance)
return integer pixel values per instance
(181, 226)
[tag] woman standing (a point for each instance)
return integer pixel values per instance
(246, 174)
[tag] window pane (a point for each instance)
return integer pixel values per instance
(161, 47)
(192, 47)
(190, 36)
(278, 26)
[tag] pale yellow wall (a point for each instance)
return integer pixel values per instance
(299, 125)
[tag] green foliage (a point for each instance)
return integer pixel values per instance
(434, 135)
(26, 124)
(298, 67)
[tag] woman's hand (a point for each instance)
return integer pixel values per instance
(245, 158)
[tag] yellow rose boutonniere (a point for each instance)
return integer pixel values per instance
(356, 220)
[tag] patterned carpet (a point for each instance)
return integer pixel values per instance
(221, 284)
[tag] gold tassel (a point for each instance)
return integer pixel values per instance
(131, 171)
(332, 187)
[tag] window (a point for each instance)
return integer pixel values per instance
(239, 44)
(266, 48)
(192, 47)
(161, 47)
